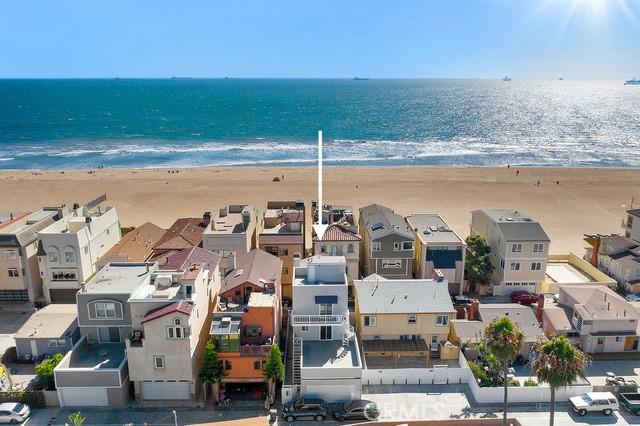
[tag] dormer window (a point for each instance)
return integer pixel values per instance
(176, 330)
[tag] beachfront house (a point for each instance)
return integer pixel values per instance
(402, 318)
(437, 247)
(618, 257)
(20, 279)
(184, 233)
(387, 247)
(234, 230)
(341, 237)
(284, 236)
(254, 272)
(631, 226)
(594, 317)
(135, 246)
(69, 249)
(519, 249)
(324, 358)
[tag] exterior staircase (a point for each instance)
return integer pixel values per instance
(297, 359)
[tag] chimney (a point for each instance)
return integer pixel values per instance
(83, 288)
(11, 216)
(76, 206)
(474, 314)
(206, 219)
(540, 308)
(438, 275)
(246, 218)
(222, 212)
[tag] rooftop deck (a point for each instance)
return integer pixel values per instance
(98, 356)
(324, 354)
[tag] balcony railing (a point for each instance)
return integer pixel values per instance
(255, 350)
(319, 319)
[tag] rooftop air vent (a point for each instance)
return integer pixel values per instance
(163, 281)
(509, 219)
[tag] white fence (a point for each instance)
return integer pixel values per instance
(525, 393)
(418, 376)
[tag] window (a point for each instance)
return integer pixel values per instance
(13, 273)
(326, 309)
(412, 319)
(515, 266)
(177, 332)
(538, 248)
(86, 249)
(516, 248)
(397, 246)
(391, 264)
(109, 334)
(376, 246)
(618, 338)
(69, 255)
(11, 255)
(227, 364)
(407, 245)
(350, 248)
(536, 266)
(376, 337)
(158, 361)
(305, 328)
(53, 255)
(57, 343)
(370, 321)
(325, 332)
(336, 250)
(105, 310)
(442, 320)
(501, 263)
(256, 365)
(323, 249)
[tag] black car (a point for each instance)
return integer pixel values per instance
(356, 410)
(305, 409)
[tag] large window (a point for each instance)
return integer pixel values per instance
(538, 248)
(53, 255)
(69, 255)
(515, 266)
(370, 321)
(14, 273)
(376, 246)
(391, 263)
(336, 250)
(177, 330)
(105, 310)
(326, 309)
(407, 245)
(536, 266)
(109, 334)
(516, 248)
(325, 332)
(442, 320)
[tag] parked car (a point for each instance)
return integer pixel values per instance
(633, 297)
(305, 409)
(461, 300)
(605, 402)
(522, 296)
(630, 401)
(356, 410)
(14, 412)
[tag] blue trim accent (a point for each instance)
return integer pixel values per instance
(444, 259)
(333, 300)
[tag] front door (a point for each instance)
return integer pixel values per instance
(600, 344)
(109, 334)
(325, 332)
(628, 343)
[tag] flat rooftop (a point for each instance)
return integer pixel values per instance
(230, 220)
(432, 228)
(324, 354)
(120, 278)
(98, 356)
(49, 322)
(262, 300)
(565, 273)
(509, 215)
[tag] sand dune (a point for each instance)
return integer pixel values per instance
(585, 201)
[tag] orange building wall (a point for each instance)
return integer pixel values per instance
(241, 367)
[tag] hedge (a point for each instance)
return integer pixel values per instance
(34, 399)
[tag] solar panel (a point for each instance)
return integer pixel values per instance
(377, 226)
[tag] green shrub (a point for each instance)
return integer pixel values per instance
(34, 399)
(44, 371)
(481, 375)
(530, 382)
(513, 383)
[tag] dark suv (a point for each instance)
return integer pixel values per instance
(356, 410)
(305, 409)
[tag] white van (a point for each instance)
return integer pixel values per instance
(605, 402)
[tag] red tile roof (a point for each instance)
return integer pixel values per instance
(338, 233)
(179, 307)
(183, 259)
(185, 233)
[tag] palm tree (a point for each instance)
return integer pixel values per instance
(503, 339)
(559, 364)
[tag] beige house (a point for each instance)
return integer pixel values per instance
(341, 237)
(437, 247)
(596, 317)
(20, 279)
(618, 257)
(397, 311)
(69, 249)
(519, 249)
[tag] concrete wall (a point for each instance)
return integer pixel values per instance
(332, 390)
(415, 376)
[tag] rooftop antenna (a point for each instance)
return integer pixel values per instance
(320, 228)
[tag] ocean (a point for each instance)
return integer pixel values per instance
(59, 124)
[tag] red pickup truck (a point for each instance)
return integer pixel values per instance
(521, 296)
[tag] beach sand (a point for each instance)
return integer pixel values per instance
(585, 201)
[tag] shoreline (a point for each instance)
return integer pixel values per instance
(586, 200)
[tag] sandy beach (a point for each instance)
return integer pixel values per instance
(584, 201)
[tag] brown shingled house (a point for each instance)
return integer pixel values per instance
(136, 246)
(256, 271)
(185, 233)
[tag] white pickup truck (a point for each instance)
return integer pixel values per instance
(605, 402)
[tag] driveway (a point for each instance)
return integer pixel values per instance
(597, 371)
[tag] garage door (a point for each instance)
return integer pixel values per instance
(83, 397)
(63, 295)
(165, 390)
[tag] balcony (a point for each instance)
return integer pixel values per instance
(320, 319)
(255, 350)
(136, 339)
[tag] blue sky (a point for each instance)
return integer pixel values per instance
(297, 38)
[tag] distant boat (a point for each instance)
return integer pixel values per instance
(633, 82)
(561, 79)
(360, 78)
(506, 78)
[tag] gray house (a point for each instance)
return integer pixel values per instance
(95, 372)
(387, 247)
(49, 331)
